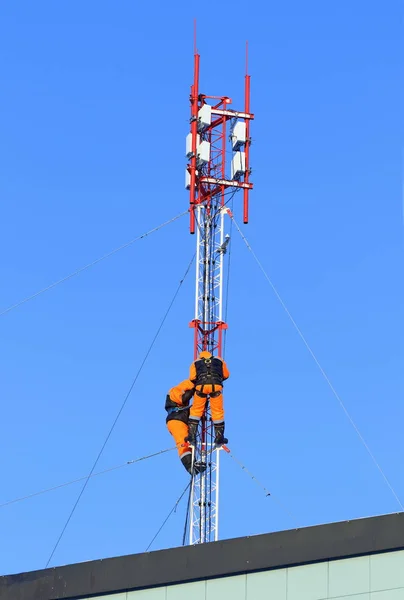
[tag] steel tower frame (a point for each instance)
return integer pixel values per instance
(211, 187)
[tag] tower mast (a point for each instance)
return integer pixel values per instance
(212, 184)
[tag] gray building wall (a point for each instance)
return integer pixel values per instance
(375, 577)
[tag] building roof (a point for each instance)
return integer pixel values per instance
(217, 559)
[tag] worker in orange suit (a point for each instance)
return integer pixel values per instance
(207, 373)
(177, 407)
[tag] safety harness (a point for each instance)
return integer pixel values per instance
(209, 371)
(176, 409)
(213, 394)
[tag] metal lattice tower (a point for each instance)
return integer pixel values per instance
(214, 126)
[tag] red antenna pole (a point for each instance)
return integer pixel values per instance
(248, 140)
(194, 133)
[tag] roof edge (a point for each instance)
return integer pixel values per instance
(267, 551)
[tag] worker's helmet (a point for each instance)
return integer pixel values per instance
(205, 354)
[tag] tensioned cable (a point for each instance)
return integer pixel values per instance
(91, 264)
(121, 408)
(173, 510)
(62, 485)
(261, 485)
(184, 535)
(324, 374)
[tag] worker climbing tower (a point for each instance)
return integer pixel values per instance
(217, 131)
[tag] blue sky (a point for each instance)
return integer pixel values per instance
(94, 112)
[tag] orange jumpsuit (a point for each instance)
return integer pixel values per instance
(214, 391)
(177, 420)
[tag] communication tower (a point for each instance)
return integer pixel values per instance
(217, 131)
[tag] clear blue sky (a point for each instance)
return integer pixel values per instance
(94, 112)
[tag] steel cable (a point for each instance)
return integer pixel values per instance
(184, 535)
(120, 410)
(91, 264)
(62, 485)
(261, 485)
(322, 371)
(173, 510)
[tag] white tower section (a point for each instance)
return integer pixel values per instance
(210, 251)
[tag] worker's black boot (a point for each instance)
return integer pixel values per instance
(199, 466)
(192, 428)
(219, 434)
(187, 462)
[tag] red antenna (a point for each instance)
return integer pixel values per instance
(248, 139)
(194, 133)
